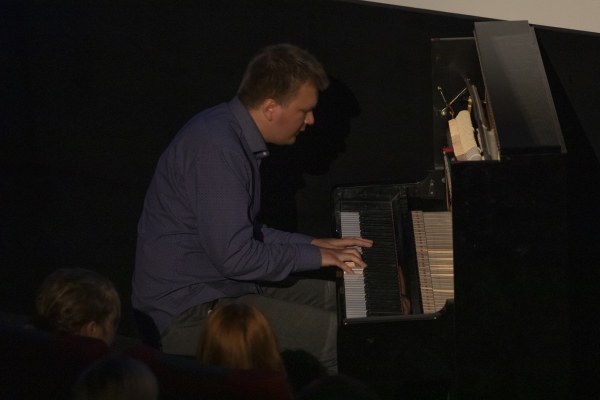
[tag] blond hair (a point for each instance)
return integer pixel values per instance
(239, 336)
(277, 72)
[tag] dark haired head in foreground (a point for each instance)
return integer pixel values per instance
(121, 378)
(78, 301)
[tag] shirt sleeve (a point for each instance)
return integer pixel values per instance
(276, 236)
(223, 185)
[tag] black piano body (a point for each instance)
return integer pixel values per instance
(504, 335)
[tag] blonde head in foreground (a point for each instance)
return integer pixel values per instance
(239, 336)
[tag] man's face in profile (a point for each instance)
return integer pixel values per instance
(291, 119)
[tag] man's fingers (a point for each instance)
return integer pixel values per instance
(351, 255)
(347, 267)
(350, 241)
(338, 257)
(356, 241)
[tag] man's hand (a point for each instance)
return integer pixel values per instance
(342, 243)
(336, 252)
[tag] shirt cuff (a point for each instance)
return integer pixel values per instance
(300, 238)
(309, 257)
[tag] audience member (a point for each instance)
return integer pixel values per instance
(121, 378)
(239, 336)
(78, 301)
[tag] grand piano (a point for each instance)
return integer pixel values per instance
(465, 291)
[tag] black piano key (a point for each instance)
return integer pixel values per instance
(383, 293)
(382, 296)
(391, 306)
(380, 276)
(381, 258)
(381, 287)
(380, 279)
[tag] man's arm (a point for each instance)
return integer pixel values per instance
(271, 235)
(223, 201)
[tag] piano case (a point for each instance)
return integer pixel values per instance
(504, 335)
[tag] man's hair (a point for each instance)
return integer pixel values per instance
(277, 72)
(72, 297)
(239, 336)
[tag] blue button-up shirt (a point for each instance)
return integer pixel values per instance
(198, 236)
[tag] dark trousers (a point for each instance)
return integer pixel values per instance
(302, 313)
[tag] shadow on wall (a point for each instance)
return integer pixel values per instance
(313, 153)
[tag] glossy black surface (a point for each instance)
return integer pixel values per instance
(510, 257)
(506, 333)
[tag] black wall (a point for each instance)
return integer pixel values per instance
(92, 92)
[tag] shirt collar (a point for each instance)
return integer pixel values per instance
(250, 131)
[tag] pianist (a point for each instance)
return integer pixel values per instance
(199, 240)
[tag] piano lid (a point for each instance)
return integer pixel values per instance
(501, 66)
(517, 88)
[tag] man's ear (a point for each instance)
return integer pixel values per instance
(267, 108)
(91, 329)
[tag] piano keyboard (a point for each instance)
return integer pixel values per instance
(433, 243)
(376, 289)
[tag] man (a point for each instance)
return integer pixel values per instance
(199, 240)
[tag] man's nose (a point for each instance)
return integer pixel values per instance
(310, 118)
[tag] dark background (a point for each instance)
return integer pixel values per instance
(91, 93)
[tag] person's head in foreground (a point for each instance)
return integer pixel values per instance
(280, 90)
(121, 378)
(78, 301)
(239, 336)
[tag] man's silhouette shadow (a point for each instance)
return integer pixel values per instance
(314, 151)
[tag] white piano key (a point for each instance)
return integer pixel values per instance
(353, 284)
